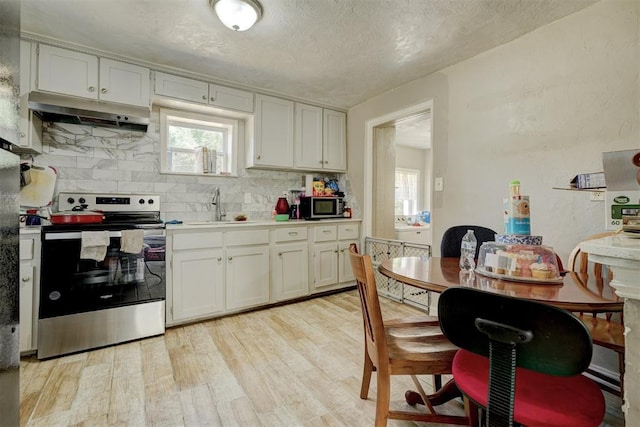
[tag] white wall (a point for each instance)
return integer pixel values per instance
(540, 109)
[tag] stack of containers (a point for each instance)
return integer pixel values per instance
(516, 211)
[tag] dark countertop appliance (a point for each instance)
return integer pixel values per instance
(314, 207)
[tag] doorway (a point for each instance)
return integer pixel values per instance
(400, 170)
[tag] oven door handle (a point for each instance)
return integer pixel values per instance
(77, 234)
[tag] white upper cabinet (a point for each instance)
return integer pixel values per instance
(87, 76)
(226, 97)
(272, 146)
(334, 147)
(308, 137)
(124, 83)
(68, 72)
(202, 93)
(30, 124)
(320, 139)
(181, 88)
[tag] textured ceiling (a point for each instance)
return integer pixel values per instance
(333, 52)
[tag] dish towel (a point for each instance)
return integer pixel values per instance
(131, 241)
(94, 244)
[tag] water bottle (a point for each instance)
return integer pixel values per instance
(468, 251)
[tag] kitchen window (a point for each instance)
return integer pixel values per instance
(406, 200)
(198, 144)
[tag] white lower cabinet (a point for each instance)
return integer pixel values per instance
(29, 270)
(195, 276)
(247, 281)
(330, 256)
(212, 271)
(200, 276)
(26, 305)
(325, 265)
(345, 273)
(289, 264)
(421, 235)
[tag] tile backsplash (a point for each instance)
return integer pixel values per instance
(96, 159)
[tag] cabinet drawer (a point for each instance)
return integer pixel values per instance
(246, 237)
(348, 231)
(26, 249)
(290, 234)
(325, 233)
(197, 240)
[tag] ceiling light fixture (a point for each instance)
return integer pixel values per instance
(238, 15)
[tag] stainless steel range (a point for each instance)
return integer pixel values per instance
(102, 283)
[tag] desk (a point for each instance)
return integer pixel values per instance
(576, 293)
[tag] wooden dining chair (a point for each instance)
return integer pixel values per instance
(520, 360)
(605, 331)
(398, 347)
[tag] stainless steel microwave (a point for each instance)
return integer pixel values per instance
(321, 207)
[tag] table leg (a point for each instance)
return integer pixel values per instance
(448, 392)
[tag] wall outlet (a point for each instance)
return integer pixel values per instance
(597, 196)
(438, 184)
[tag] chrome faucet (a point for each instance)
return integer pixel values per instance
(218, 213)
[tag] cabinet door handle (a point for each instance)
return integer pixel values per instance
(320, 162)
(92, 89)
(326, 161)
(26, 278)
(293, 233)
(230, 258)
(326, 231)
(279, 253)
(204, 97)
(258, 157)
(219, 258)
(213, 98)
(103, 90)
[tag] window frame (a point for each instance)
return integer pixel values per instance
(231, 125)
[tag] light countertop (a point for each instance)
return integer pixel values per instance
(404, 227)
(29, 229)
(252, 224)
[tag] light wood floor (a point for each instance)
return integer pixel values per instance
(294, 365)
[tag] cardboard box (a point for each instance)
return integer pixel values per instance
(589, 180)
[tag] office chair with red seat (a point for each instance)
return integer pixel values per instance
(520, 360)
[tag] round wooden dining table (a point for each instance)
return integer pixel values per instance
(576, 292)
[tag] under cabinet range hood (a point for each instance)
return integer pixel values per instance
(69, 109)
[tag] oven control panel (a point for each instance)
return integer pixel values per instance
(109, 202)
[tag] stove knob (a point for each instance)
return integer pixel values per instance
(141, 201)
(71, 200)
(82, 201)
(150, 201)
